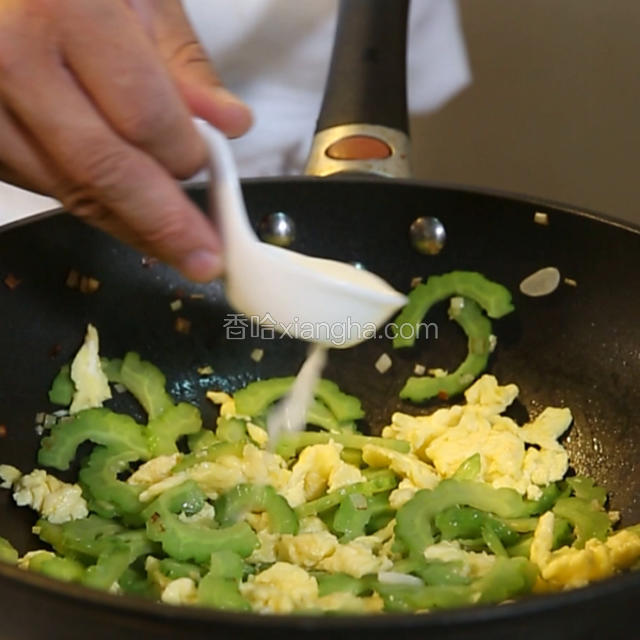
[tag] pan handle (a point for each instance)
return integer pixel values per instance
(363, 124)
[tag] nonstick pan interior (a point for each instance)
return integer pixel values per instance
(577, 347)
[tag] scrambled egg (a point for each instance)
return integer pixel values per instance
(491, 397)
(311, 524)
(524, 458)
(542, 542)
(154, 470)
(348, 603)
(163, 485)
(57, 501)
(274, 546)
(319, 468)
(306, 549)
(228, 410)
(439, 444)
(154, 574)
(256, 466)
(568, 568)
(407, 465)
(474, 564)
(282, 588)
(357, 558)
(92, 386)
(180, 591)
(415, 473)
(402, 494)
(270, 547)
(315, 547)
(227, 404)
(450, 436)
(9, 475)
(419, 431)
(265, 553)
(257, 434)
(25, 561)
(285, 587)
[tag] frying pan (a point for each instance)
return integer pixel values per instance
(578, 347)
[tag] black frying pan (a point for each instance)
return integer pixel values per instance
(577, 347)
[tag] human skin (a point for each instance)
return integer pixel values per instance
(96, 101)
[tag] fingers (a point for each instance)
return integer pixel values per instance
(68, 128)
(193, 72)
(97, 113)
(116, 63)
(24, 164)
(108, 182)
(21, 161)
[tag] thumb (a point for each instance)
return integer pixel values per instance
(193, 72)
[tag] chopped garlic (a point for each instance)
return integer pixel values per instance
(541, 218)
(456, 304)
(73, 279)
(116, 589)
(256, 355)
(182, 325)
(383, 363)
(541, 283)
(207, 370)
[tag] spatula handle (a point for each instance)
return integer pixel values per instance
(363, 123)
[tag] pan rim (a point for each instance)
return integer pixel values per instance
(80, 595)
(516, 197)
(513, 196)
(132, 606)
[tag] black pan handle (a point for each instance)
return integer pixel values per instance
(363, 124)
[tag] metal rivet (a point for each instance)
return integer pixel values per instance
(277, 228)
(427, 235)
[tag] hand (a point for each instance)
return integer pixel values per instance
(96, 100)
